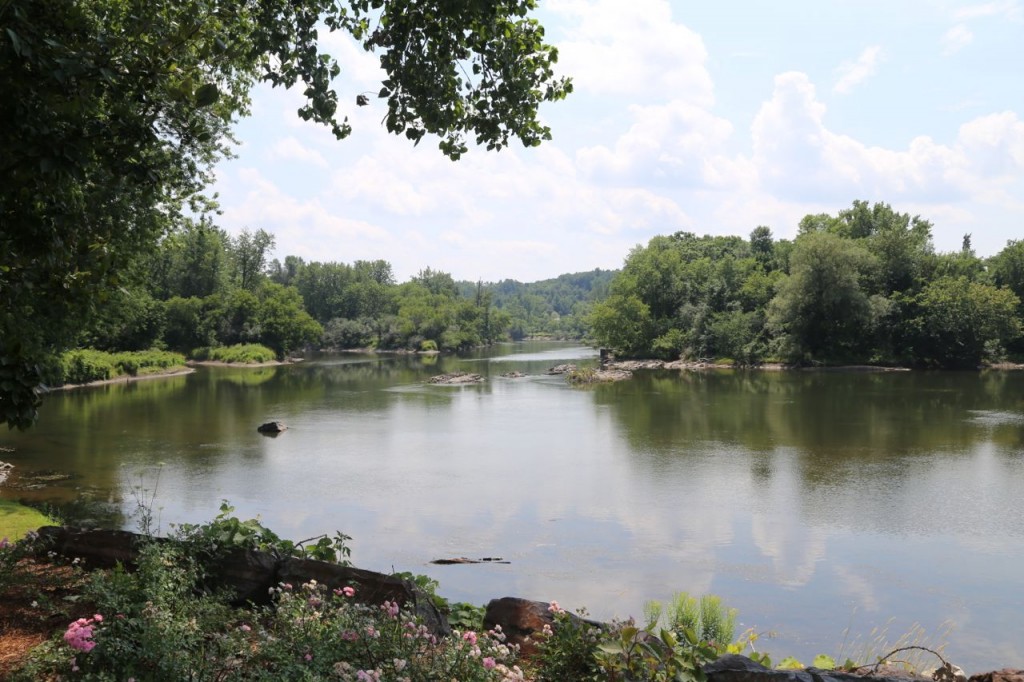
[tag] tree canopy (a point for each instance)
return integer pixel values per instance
(115, 112)
(864, 285)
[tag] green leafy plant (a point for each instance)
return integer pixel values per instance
(568, 649)
(247, 353)
(227, 532)
(634, 654)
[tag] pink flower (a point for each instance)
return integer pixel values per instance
(98, 618)
(470, 637)
(348, 591)
(244, 628)
(308, 656)
(553, 607)
(5, 543)
(79, 634)
(489, 663)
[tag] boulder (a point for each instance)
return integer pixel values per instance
(522, 621)
(98, 548)
(272, 428)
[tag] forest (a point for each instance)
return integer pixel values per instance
(862, 286)
(202, 288)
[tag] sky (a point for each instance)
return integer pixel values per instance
(712, 118)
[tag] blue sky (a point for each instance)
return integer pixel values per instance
(708, 117)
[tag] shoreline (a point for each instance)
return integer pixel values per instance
(125, 379)
(685, 365)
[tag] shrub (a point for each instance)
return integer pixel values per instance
(83, 366)
(428, 345)
(243, 353)
(155, 623)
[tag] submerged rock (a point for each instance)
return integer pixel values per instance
(456, 378)
(513, 375)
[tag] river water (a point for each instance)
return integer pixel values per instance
(835, 511)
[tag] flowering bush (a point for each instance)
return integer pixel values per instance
(79, 633)
(158, 626)
(318, 632)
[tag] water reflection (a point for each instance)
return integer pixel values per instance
(802, 498)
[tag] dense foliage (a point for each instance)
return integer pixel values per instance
(863, 286)
(115, 112)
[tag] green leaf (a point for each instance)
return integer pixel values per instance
(824, 662)
(207, 95)
(789, 663)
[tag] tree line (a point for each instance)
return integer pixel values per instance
(862, 286)
(203, 288)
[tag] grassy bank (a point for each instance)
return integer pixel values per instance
(87, 365)
(16, 520)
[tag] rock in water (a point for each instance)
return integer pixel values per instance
(272, 428)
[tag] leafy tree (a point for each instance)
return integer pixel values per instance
(191, 261)
(821, 311)
(284, 325)
(115, 112)
(623, 322)
(1007, 267)
(959, 322)
(249, 257)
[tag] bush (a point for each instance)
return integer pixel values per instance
(428, 345)
(243, 353)
(158, 622)
(83, 366)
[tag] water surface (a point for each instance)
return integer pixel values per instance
(815, 503)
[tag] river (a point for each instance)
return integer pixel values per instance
(835, 511)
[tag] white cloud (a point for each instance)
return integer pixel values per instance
(619, 48)
(290, 148)
(956, 39)
(1009, 9)
(799, 158)
(853, 73)
(666, 143)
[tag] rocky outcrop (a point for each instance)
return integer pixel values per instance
(456, 378)
(1004, 675)
(272, 428)
(735, 668)
(562, 369)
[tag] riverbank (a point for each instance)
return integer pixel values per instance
(162, 373)
(298, 606)
(633, 365)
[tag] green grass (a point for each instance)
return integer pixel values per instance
(246, 353)
(17, 519)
